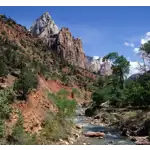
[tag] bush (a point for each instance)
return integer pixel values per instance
(19, 136)
(2, 129)
(138, 95)
(3, 68)
(23, 43)
(5, 109)
(3, 33)
(26, 82)
(63, 93)
(91, 87)
(54, 128)
(66, 107)
(16, 136)
(75, 92)
(100, 96)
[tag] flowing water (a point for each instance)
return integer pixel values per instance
(112, 137)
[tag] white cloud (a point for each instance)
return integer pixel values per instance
(148, 34)
(143, 41)
(129, 44)
(136, 50)
(134, 67)
(95, 57)
(146, 38)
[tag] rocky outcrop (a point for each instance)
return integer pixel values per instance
(105, 68)
(44, 26)
(68, 47)
(98, 66)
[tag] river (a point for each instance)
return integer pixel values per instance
(112, 136)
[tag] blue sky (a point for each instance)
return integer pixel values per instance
(102, 29)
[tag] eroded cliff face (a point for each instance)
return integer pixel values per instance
(68, 47)
(98, 66)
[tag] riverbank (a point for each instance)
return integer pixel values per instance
(103, 135)
(120, 127)
(131, 123)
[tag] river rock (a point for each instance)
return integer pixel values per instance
(71, 140)
(110, 143)
(94, 134)
(78, 126)
(105, 104)
(63, 142)
(142, 141)
(76, 135)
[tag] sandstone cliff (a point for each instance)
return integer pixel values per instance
(98, 66)
(68, 47)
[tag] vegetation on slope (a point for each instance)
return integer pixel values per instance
(25, 57)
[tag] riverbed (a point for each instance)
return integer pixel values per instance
(112, 136)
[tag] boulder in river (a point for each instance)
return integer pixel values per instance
(94, 134)
(78, 126)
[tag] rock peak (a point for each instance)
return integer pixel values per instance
(46, 16)
(69, 48)
(44, 26)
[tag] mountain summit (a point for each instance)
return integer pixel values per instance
(44, 26)
(61, 41)
(65, 44)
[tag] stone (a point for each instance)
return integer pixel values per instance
(105, 104)
(124, 132)
(76, 135)
(132, 138)
(71, 140)
(110, 142)
(78, 126)
(94, 134)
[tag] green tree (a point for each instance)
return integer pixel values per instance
(120, 66)
(27, 81)
(100, 96)
(3, 69)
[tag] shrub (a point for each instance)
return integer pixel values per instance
(54, 128)
(26, 82)
(23, 43)
(3, 68)
(19, 136)
(3, 33)
(75, 92)
(4, 105)
(2, 129)
(63, 93)
(17, 131)
(100, 96)
(66, 107)
(91, 87)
